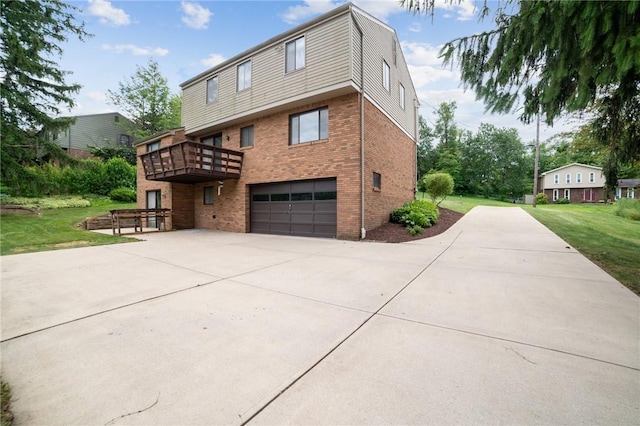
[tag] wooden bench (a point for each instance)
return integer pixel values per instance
(138, 215)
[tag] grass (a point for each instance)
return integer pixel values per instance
(611, 241)
(54, 229)
(6, 416)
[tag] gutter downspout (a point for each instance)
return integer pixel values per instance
(363, 231)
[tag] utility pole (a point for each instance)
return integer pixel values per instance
(536, 160)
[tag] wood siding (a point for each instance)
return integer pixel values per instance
(94, 130)
(327, 63)
(572, 169)
(378, 46)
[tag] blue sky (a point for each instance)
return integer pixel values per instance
(188, 37)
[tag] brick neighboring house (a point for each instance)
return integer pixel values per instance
(311, 133)
(108, 129)
(628, 188)
(580, 183)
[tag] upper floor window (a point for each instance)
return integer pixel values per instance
(401, 91)
(386, 76)
(295, 55)
(153, 146)
(246, 136)
(578, 177)
(567, 178)
(212, 89)
(244, 76)
(116, 118)
(125, 140)
(592, 177)
(309, 126)
(556, 178)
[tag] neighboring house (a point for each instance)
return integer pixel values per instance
(580, 183)
(628, 188)
(108, 129)
(312, 133)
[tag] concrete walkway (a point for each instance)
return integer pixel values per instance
(495, 321)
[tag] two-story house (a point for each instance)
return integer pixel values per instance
(579, 183)
(108, 129)
(312, 132)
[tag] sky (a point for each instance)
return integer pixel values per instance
(189, 37)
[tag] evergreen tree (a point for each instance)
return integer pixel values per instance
(146, 99)
(557, 57)
(33, 88)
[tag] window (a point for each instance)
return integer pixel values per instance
(556, 179)
(630, 192)
(555, 195)
(125, 140)
(401, 91)
(386, 76)
(567, 178)
(246, 136)
(212, 89)
(116, 118)
(578, 177)
(153, 146)
(592, 177)
(309, 126)
(295, 55)
(377, 181)
(208, 195)
(244, 76)
(618, 193)
(567, 194)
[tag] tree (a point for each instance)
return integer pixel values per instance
(427, 156)
(438, 185)
(145, 97)
(558, 57)
(33, 89)
(445, 129)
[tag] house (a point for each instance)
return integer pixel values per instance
(628, 188)
(108, 129)
(579, 183)
(312, 133)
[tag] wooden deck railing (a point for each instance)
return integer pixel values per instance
(137, 219)
(191, 162)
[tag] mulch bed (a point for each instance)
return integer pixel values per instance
(394, 233)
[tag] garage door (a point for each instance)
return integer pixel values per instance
(304, 208)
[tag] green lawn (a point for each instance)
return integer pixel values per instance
(611, 241)
(54, 229)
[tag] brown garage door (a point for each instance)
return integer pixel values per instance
(305, 208)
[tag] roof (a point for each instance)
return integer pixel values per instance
(285, 35)
(629, 183)
(572, 164)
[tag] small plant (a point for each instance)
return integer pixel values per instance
(416, 215)
(437, 185)
(58, 202)
(123, 194)
(5, 402)
(542, 198)
(563, 201)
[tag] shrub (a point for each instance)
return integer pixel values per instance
(60, 202)
(438, 185)
(124, 195)
(542, 198)
(416, 215)
(563, 201)
(627, 208)
(118, 173)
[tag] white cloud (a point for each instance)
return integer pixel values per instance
(297, 14)
(213, 60)
(415, 27)
(107, 13)
(425, 66)
(195, 16)
(465, 10)
(137, 51)
(381, 9)
(97, 96)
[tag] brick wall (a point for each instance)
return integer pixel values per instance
(391, 153)
(576, 195)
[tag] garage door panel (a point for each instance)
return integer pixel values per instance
(304, 208)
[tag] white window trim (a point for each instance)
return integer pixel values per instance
(217, 90)
(555, 195)
(556, 179)
(630, 192)
(567, 193)
(592, 177)
(296, 67)
(567, 178)
(401, 95)
(238, 89)
(386, 76)
(578, 177)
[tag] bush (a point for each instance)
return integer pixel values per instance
(416, 215)
(541, 198)
(437, 185)
(124, 195)
(118, 173)
(627, 208)
(563, 201)
(47, 202)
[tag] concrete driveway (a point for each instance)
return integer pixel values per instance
(495, 321)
